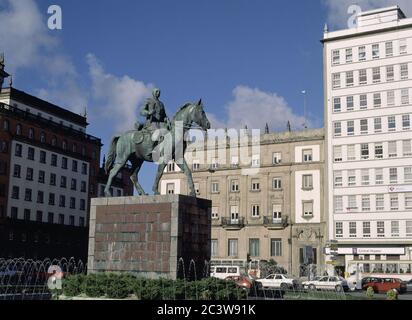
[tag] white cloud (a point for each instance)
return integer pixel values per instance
(255, 108)
(116, 98)
(338, 9)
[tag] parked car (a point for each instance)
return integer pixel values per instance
(409, 286)
(383, 285)
(245, 282)
(335, 283)
(278, 281)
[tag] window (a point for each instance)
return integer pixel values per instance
(74, 166)
(404, 71)
(408, 201)
(29, 174)
(215, 187)
(215, 213)
(171, 167)
(255, 185)
(61, 218)
(365, 177)
(363, 77)
(377, 100)
(42, 176)
(337, 129)
(405, 96)
(215, 164)
(276, 213)
(336, 80)
(349, 55)
(307, 182)
(407, 148)
(380, 202)
(351, 154)
(364, 151)
(375, 51)
(214, 249)
(338, 179)
(362, 53)
(51, 199)
(83, 187)
(390, 95)
(40, 196)
(403, 46)
(378, 125)
(6, 125)
(81, 222)
(307, 209)
(30, 153)
(18, 129)
(393, 175)
(363, 101)
(406, 122)
(394, 202)
(71, 220)
(63, 182)
(72, 203)
(17, 171)
(338, 204)
(234, 162)
(339, 229)
(349, 103)
(15, 192)
(337, 153)
(4, 147)
(378, 151)
(351, 128)
(366, 229)
(255, 211)
(351, 178)
(54, 160)
(234, 214)
(366, 203)
(392, 149)
(335, 57)
(376, 75)
(234, 186)
(196, 165)
(352, 229)
(52, 179)
(255, 160)
(42, 156)
(170, 188)
(307, 155)
(390, 73)
(64, 145)
(73, 184)
(378, 176)
(409, 228)
(389, 49)
(275, 247)
(349, 79)
(395, 228)
(64, 163)
(232, 247)
(27, 194)
(407, 174)
(62, 201)
(364, 126)
(277, 183)
(31, 133)
(352, 203)
(84, 168)
(277, 158)
(254, 247)
(27, 214)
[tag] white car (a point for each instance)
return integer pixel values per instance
(278, 281)
(338, 284)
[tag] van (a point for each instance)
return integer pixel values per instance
(222, 272)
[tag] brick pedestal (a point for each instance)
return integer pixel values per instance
(150, 236)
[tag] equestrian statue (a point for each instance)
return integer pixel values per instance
(157, 140)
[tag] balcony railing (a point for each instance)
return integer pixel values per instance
(229, 223)
(272, 223)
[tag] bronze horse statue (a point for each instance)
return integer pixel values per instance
(140, 146)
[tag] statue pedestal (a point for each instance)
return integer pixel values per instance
(150, 236)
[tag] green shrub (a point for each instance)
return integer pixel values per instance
(370, 293)
(118, 286)
(392, 295)
(73, 285)
(95, 285)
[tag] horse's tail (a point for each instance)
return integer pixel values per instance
(111, 157)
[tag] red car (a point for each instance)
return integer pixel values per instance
(244, 282)
(383, 285)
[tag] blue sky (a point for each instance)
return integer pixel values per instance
(237, 55)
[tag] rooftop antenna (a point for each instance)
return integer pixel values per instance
(267, 128)
(85, 112)
(11, 81)
(288, 126)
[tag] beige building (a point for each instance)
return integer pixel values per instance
(268, 206)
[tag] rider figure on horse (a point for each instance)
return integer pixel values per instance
(154, 112)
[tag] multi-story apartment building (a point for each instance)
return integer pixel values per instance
(122, 186)
(368, 83)
(275, 212)
(49, 170)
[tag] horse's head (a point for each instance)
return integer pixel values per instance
(199, 116)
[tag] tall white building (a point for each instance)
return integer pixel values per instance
(368, 97)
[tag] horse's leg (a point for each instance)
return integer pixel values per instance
(185, 168)
(115, 170)
(136, 165)
(160, 170)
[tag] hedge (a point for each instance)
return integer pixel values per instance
(120, 286)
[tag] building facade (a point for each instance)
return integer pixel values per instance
(49, 170)
(367, 83)
(268, 208)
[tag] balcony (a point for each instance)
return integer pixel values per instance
(275, 224)
(233, 224)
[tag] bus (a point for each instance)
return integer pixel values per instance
(250, 268)
(356, 270)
